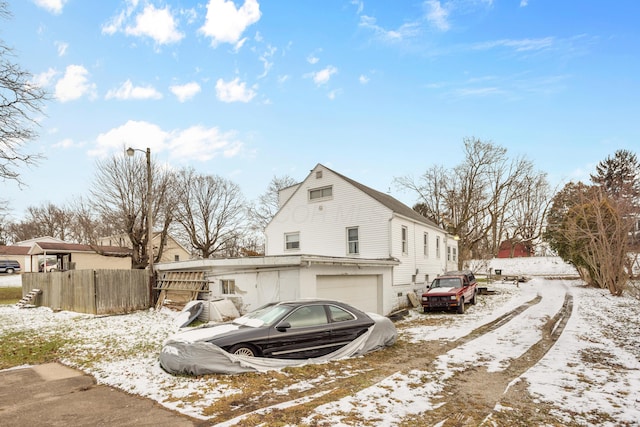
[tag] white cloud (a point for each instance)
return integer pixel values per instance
(323, 76)
(234, 91)
(130, 134)
(363, 79)
(74, 84)
(128, 91)
(65, 143)
(333, 94)
(518, 45)
(265, 58)
(438, 15)
(46, 78)
(202, 144)
(359, 4)
(62, 48)
(53, 6)
(524, 3)
(186, 91)
(225, 24)
(196, 143)
(158, 24)
(312, 59)
(405, 31)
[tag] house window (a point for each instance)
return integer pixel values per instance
(425, 244)
(426, 278)
(228, 286)
(448, 253)
(176, 258)
(353, 244)
(321, 193)
(455, 254)
(437, 246)
(318, 174)
(405, 233)
(292, 241)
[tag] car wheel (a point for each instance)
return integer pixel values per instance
(243, 350)
(473, 300)
(461, 306)
(9, 271)
(425, 309)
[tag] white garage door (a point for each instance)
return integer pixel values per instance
(362, 292)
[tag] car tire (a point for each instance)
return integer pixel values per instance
(9, 271)
(425, 309)
(473, 300)
(461, 306)
(243, 350)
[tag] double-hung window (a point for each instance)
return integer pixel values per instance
(437, 246)
(425, 244)
(404, 237)
(228, 286)
(353, 242)
(292, 241)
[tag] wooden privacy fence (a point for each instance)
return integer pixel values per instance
(90, 291)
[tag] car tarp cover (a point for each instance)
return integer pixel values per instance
(201, 357)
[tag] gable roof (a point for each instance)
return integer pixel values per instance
(14, 250)
(386, 200)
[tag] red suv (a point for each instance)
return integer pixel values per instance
(452, 290)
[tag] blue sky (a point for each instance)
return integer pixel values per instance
(252, 89)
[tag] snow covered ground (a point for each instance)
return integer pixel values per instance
(591, 370)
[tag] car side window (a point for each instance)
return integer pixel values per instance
(309, 315)
(339, 315)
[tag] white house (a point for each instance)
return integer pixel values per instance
(329, 214)
(335, 238)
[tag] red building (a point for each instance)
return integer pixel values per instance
(510, 249)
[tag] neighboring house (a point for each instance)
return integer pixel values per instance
(335, 238)
(510, 249)
(172, 251)
(69, 256)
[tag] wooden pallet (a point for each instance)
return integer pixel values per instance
(28, 298)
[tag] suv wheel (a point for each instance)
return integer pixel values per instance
(9, 271)
(461, 306)
(473, 300)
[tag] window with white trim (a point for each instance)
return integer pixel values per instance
(404, 236)
(292, 241)
(353, 242)
(448, 253)
(455, 254)
(321, 193)
(425, 244)
(437, 246)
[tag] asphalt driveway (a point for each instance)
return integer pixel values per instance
(55, 395)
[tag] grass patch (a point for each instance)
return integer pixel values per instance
(10, 295)
(29, 348)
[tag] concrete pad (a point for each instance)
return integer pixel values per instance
(55, 371)
(55, 395)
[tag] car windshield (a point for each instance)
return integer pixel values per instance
(446, 282)
(265, 315)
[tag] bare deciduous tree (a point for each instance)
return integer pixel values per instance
(211, 211)
(119, 196)
(478, 200)
(267, 205)
(21, 102)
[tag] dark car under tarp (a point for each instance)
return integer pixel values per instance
(201, 357)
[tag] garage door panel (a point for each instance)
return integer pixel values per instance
(360, 291)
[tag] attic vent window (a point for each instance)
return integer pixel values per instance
(318, 174)
(321, 193)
